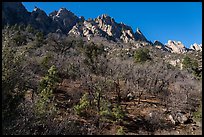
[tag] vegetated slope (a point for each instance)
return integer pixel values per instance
(56, 84)
(96, 76)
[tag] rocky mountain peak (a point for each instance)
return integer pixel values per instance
(38, 11)
(63, 13)
(105, 19)
(138, 31)
(139, 36)
(64, 19)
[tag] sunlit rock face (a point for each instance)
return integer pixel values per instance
(196, 47)
(175, 47)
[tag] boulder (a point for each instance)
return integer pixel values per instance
(170, 117)
(182, 117)
(130, 96)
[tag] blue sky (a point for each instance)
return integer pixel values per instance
(163, 21)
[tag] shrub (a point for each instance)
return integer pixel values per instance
(192, 66)
(13, 82)
(39, 39)
(118, 113)
(45, 102)
(92, 53)
(120, 131)
(198, 114)
(141, 55)
(45, 63)
(189, 63)
(83, 105)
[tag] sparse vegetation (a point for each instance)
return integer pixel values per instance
(78, 87)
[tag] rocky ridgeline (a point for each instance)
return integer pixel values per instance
(105, 26)
(66, 22)
(196, 47)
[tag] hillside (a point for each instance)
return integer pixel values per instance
(64, 75)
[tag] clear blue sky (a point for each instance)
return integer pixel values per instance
(161, 21)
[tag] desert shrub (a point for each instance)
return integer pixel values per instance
(30, 29)
(39, 39)
(19, 39)
(198, 114)
(189, 63)
(83, 105)
(13, 82)
(92, 54)
(192, 66)
(118, 113)
(60, 44)
(45, 63)
(120, 131)
(73, 71)
(45, 103)
(142, 55)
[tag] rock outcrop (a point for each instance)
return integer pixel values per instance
(64, 19)
(159, 45)
(105, 26)
(139, 36)
(175, 47)
(196, 47)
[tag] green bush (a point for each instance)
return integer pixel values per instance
(118, 113)
(92, 53)
(192, 66)
(120, 131)
(47, 85)
(189, 63)
(142, 55)
(39, 39)
(46, 61)
(13, 82)
(19, 39)
(83, 105)
(198, 114)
